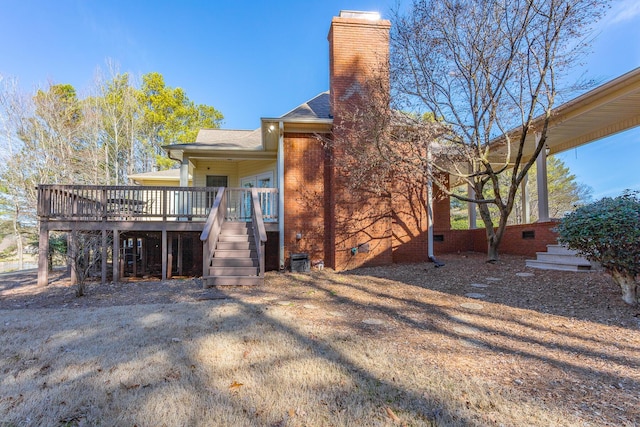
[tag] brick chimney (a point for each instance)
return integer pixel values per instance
(358, 52)
(358, 48)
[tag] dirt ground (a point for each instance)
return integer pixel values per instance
(557, 337)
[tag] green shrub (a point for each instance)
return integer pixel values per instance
(608, 231)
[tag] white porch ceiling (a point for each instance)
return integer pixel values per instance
(606, 110)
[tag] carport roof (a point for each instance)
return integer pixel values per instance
(606, 110)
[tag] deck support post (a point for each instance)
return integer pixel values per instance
(134, 251)
(143, 257)
(170, 257)
(206, 258)
(72, 255)
(164, 253)
(116, 255)
(179, 269)
(43, 254)
(103, 263)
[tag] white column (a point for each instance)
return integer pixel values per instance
(184, 172)
(543, 190)
(471, 208)
(526, 201)
(183, 197)
(281, 193)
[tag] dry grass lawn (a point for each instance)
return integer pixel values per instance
(400, 345)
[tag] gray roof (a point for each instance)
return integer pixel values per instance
(224, 139)
(169, 173)
(315, 108)
(230, 139)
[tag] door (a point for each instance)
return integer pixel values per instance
(245, 207)
(215, 181)
(263, 180)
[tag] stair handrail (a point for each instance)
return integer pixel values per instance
(212, 228)
(259, 231)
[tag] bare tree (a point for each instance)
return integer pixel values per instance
(84, 255)
(13, 107)
(382, 159)
(488, 70)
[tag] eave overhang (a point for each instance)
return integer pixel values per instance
(604, 111)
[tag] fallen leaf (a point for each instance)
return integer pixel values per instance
(129, 386)
(292, 413)
(235, 385)
(392, 415)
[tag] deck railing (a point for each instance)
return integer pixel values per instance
(239, 204)
(137, 203)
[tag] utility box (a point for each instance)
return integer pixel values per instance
(300, 263)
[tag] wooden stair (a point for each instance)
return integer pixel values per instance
(559, 257)
(235, 259)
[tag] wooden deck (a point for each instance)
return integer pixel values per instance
(114, 210)
(92, 203)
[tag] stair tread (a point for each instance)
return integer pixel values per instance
(561, 259)
(233, 280)
(235, 259)
(233, 270)
(546, 265)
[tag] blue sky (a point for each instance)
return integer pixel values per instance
(253, 59)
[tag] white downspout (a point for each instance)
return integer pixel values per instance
(429, 205)
(281, 212)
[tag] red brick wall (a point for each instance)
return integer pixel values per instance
(410, 224)
(303, 195)
(455, 241)
(441, 208)
(512, 242)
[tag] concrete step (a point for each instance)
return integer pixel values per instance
(569, 259)
(234, 262)
(210, 281)
(560, 250)
(542, 265)
(240, 245)
(240, 253)
(233, 271)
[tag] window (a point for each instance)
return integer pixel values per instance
(216, 181)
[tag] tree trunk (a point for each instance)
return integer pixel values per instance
(16, 231)
(628, 286)
(492, 240)
(492, 250)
